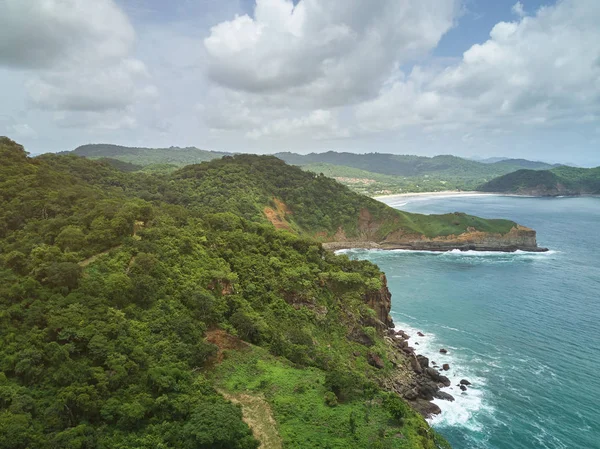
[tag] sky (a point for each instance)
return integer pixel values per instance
(475, 78)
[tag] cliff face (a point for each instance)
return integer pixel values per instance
(519, 238)
(372, 235)
(381, 302)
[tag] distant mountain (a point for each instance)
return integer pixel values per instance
(148, 156)
(370, 174)
(488, 160)
(556, 182)
(379, 173)
(524, 163)
(407, 165)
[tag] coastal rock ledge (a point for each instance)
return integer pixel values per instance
(518, 238)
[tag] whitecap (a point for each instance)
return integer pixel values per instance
(467, 406)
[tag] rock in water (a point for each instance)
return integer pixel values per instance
(445, 396)
(463, 388)
(465, 382)
(420, 334)
(443, 351)
(445, 366)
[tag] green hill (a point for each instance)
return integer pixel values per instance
(370, 174)
(555, 182)
(136, 312)
(157, 310)
(388, 173)
(148, 156)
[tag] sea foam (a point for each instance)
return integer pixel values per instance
(468, 405)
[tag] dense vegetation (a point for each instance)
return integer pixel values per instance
(369, 174)
(558, 181)
(148, 156)
(114, 287)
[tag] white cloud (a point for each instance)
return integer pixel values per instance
(518, 9)
(318, 124)
(96, 121)
(323, 53)
(78, 53)
(536, 71)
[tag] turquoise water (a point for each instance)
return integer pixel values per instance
(523, 328)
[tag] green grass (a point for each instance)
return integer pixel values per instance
(454, 223)
(297, 400)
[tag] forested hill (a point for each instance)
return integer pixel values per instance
(137, 310)
(135, 315)
(370, 174)
(412, 166)
(148, 156)
(555, 182)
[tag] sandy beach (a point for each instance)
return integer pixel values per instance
(424, 195)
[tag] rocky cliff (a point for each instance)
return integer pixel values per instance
(412, 376)
(518, 238)
(381, 302)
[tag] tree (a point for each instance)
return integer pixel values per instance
(71, 238)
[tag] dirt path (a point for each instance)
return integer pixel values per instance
(257, 414)
(89, 260)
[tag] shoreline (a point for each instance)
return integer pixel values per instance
(339, 246)
(442, 193)
(459, 193)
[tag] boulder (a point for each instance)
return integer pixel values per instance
(411, 394)
(444, 381)
(358, 335)
(415, 364)
(420, 334)
(402, 335)
(445, 366)
(423, 361)
(375, 361)
(428, 391)
(463, 387)
(425, 408)
(445, 396)
(443, 351)
(465, 382)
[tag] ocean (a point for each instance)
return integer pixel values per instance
(523, 328)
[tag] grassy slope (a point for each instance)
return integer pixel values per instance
(304, 420)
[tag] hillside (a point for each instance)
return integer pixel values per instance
(370, 174)
(132, 315)
(197, 309)
(147, 156)
(388, 173)
(555, 182)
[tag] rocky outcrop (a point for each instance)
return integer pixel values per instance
(381, 302)
(413, 378)
(518, 238)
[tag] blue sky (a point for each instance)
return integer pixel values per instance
(467, 77)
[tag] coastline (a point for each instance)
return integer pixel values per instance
(466, 193)
(444, 193)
